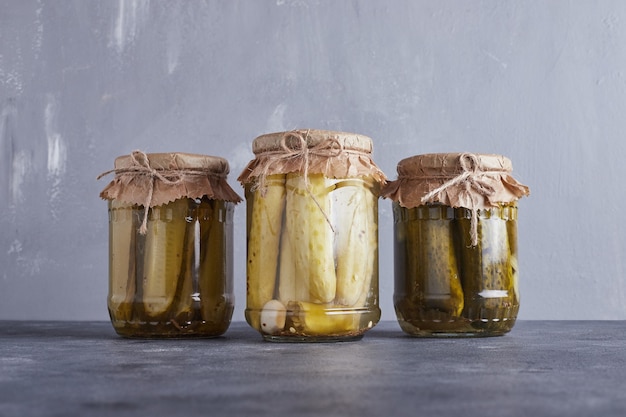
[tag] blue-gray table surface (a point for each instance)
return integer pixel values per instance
(541, 368)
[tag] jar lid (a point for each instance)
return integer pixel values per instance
(451, 164)
(474, 181)
(310, 151)
(314, 138)
(175, 161)
(154, 179)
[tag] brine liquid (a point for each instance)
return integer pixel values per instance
(176, 280)
(312, 250)
(445, 286)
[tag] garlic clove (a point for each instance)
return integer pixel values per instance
(273, 316)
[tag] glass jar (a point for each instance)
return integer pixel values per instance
(455, 245)
(312, 236)
(170, 246)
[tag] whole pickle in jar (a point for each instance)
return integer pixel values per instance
(356, 240)
(214, 268)
(265, 217)
(164, 258)
(183, 307)
(489, 276)
(304, 318)
(433, 273)
(311, 237)
(122, 265)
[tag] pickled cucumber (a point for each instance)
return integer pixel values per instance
(122, 265)
(183, 306)
(353, 245)
(489, 270)
(266, 216)
(370, 284)
(214, 267)
(287, 280)
(433, 273)
(319, 319)
(311, 237)
(163, 261)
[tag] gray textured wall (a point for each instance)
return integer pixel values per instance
(84, 81)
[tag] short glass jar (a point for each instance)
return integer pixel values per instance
(312, 235)
(455, 245)
(170, 246)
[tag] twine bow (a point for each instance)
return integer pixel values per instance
(472, 180)
(141, 166)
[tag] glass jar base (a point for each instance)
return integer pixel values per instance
(452, 335)
(312, 339)
(318, 324)
(169, 330)
(456, 329)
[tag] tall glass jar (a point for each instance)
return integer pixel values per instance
(455, 244)
(170, 245)
(312, 235)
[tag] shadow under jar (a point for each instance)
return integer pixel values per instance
(455, 245)
(170, 246)
(312, 236)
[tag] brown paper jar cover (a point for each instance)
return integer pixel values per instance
(311, 151)
(155, 179)
(474, 181)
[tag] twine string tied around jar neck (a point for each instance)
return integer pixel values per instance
(472, 180)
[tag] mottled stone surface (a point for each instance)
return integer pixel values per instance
(541, 368)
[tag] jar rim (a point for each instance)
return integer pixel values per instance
(155, 179)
